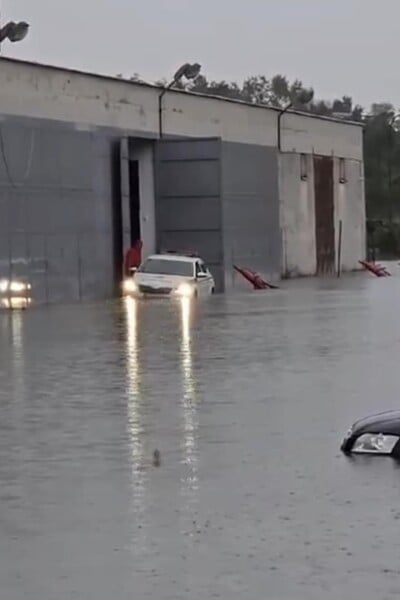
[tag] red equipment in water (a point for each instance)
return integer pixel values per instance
(133, 257)
(375, 268)
(255, 279)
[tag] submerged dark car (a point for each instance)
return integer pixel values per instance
(378, 434)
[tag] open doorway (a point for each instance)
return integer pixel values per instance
(126, 209)
(134, 201)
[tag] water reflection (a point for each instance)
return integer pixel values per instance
(280, 497)
(190, 482)
(16, 328)
(16, 335)
(135, 427)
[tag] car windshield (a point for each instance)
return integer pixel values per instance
(158, 266)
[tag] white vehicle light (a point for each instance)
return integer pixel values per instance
(130, 286)
(3, 285)
(185, 290)
(373, 443)
(17, 287)
(16, 302)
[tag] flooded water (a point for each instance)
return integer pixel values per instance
(247, 398)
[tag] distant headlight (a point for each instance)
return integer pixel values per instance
(372, 443)
(130, 286)
(18, 287)
(15, 287)
(185, 290)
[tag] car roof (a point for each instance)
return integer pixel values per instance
(176, 257)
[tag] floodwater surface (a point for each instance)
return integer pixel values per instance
(247, 398)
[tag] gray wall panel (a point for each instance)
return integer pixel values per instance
(206, 243)
(250, 209)
(4, 255)
(18, 247)
(56, 210)
(41, 210)
(198, 213)
(37, 266)
(17, 211)
(95, 259)
(62, 263)
(76, 155)
(194, 178)
(50, 165)
(189, 149)
(4, 221)
(188, 209)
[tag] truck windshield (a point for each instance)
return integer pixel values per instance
(167, 267)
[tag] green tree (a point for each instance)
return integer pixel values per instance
(382, 162)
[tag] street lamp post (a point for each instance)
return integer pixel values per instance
(14, 32)
(282, 112)
(304, 97)
(187, 71)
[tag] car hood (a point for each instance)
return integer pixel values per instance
(386, 422)
(159, 281)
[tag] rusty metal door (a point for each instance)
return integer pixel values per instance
(324, 215)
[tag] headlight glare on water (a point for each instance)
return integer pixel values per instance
(375, 443)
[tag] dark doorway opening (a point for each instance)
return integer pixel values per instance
(134, 201)
(324, 215)
(126, 206)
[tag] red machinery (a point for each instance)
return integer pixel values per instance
(255, 279)
(375, 268)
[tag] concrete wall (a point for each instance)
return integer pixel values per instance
(250, 201)
(221, 200)
(188, 208)
(39, 91)
(56, 211)
(297, 214)
(350, 209)
(303, 134)
(217, 195)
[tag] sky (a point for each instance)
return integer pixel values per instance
(336, 46)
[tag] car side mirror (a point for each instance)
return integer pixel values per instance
(201, 275)
(133, 270)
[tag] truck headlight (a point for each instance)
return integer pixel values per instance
(375, 443)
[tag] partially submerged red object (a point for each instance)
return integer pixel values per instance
(375, 268)
(255, 279)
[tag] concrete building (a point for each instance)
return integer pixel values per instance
(83, 174)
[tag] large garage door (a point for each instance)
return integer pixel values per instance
(324, 214)
(188, 206)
